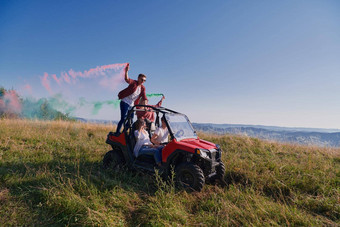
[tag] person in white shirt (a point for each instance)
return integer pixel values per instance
(144, 145)
(161, 134)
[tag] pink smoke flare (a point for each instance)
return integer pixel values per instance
(94, 72)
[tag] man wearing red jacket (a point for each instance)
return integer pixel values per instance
(130, 96)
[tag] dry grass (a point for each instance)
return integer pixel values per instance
(50, 174)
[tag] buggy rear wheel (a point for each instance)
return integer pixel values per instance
(189, 176)
(113, 160)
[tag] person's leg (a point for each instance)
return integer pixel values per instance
(158, 155)
(124, 108)
(155, 151)
(145, 150)
(132, 115)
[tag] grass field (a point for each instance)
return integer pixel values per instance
(51, 175)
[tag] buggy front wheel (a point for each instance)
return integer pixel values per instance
(189, 176)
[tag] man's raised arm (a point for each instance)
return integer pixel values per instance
(126, 73)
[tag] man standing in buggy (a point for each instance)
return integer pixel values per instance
(130, 96)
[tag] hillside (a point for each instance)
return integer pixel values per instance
(303, 136)
(50, 174)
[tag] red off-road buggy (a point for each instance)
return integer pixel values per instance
(194, 161)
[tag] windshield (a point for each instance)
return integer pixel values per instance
(180, 126)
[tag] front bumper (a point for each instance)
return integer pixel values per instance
(210, 161)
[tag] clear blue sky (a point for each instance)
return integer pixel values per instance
(247, 62)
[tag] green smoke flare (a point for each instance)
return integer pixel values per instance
(154, 95)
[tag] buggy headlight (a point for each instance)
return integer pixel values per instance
(203, 153)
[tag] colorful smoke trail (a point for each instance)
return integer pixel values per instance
(9, 102)
(106, 76)
(60, 104)
(74, 93)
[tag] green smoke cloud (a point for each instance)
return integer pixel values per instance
(58, 103)
(42, 109)
(98, 105)
(48, 108)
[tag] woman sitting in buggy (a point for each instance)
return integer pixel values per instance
(144, 145)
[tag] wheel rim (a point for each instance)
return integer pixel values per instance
(186, 179)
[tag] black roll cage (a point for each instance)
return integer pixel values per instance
(128, 121)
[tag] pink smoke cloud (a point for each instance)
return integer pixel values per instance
(110, 80)
(10, 103)
(95, 72)
(66, 77)
(54, 76)
(46, 83)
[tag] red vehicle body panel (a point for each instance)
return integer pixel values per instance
(188, 145)
(120, 139)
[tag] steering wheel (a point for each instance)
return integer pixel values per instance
(179, 133)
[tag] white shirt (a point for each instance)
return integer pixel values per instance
(132, 98)
(142, 139)
(162, 135)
